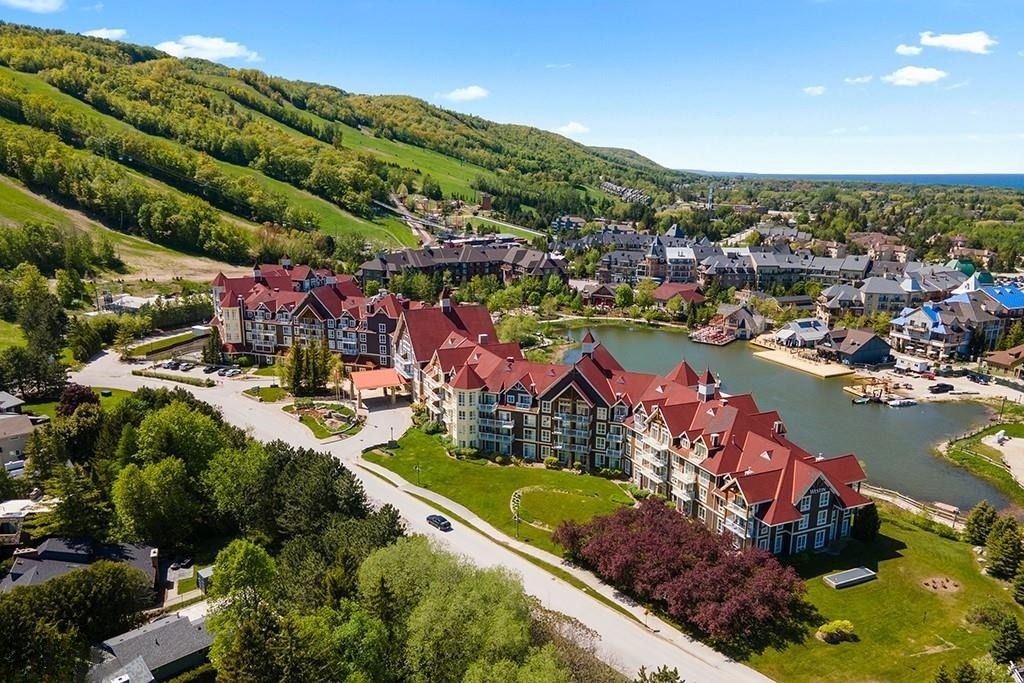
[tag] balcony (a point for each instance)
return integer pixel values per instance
(488, 408)
(654, 444)
(573, 417)
(495, 436)
(615, 438)
(496, 424)
(735, 509)
(737, 528)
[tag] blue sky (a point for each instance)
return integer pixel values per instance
(738, 86)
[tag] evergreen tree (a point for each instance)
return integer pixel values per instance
(965, 673)
(1003, 548)
(212, 350)
(80, 511)
(979, 523)
(866, 524)
(942, 676)
(1009, 643)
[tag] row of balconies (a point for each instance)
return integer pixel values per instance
(499, 424)
(573, 417)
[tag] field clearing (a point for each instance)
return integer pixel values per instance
(10, 334)
(50, 407)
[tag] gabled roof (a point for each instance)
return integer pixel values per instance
(429, 327)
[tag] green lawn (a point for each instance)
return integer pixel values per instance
(321, 430)
(266, 371)
(905, 630)
(161, 344)
(525, 234)
(188, 584)
(17, 206)
(50, 407)
(268, 394)
(10, 333)
(962, 453)
(487, 489)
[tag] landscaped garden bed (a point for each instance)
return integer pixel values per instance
(267, 394)
(326, 419)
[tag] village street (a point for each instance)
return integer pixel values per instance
(624, 643)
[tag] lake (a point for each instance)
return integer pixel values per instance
(893, 443)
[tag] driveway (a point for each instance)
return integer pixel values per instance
(623, 643)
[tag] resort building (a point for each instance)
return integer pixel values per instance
(854, 347)
(507, 263)
(264, 314)
(719, 459)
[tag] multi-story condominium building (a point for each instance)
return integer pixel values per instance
(719, 459)
(966, 324)
(421, 331)
(506, 262)
(619, 266)
(277, 306)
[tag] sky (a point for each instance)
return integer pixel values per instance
(786, 86)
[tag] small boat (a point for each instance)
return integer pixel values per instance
(861, 400)
(901, 402)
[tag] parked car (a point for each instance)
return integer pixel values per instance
(171, 365)
(186, 366)
(209, 369)
(439, 522)
(233, 372)
(222, 371)
(186, 562)
(978, 378)
(176, 565)
(940, 388)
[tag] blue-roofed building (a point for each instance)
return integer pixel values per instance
(1009, 300)
(932, 330)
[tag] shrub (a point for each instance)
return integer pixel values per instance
(578, 466)
(988, 614)
(610, 473)
(192, 381)
(431, 427)
(551, 462)
(419, 413)
(500, 460)
(303, 403)
(837, 631)
(516, 461)
(244, 361)
(866, 524)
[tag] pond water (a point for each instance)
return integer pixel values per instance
(893, 443)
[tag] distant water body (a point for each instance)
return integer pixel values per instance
(1010, 180)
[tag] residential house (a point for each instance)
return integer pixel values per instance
(15, 430)
(883, 295)
(158, 651)
(836, 301)
(803, 333)
(9, 403)
(983, 257)
(13, 514)
(58, 556)
(568, 224)
(932, 330)
(854, 347)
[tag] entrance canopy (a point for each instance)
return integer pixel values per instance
(384, 378)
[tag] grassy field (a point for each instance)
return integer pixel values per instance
(526, 235)
(964, 453)
(487, 489)
(268, 394)
(10, 334)
(50, 407)
(266, 371)
(906, 631)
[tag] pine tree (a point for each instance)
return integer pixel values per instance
(1009, 643)
(979, 523)
(295, 369)
(965, 673)
(1018, 584)
(1003, 548)
(212, 350)
(866, 524)
(942, 676)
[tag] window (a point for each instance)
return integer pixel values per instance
(823, 498)
(330, 323)
(602, 428)
(505, 416)
(383, 350)
(602, 413)
(702, 512)
(545, 420)
(530, 434)
(703, 495)
(801, 542)
(545, 451)
(530, 420)
(778, 543)
(599, 443)
(545, 407)
(805, 504)
(819, 538)
(362, 348)
(545, 435)
(804, 521)
(763, 544)
(822, 517)
(462, 414)
(382, 328)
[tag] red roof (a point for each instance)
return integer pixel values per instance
(687, 291)
(429, 327)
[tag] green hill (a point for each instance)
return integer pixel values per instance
(194, 155)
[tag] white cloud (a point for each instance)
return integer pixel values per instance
(976, 42)
(815, 90)
(857, 79)
(37, 6)
(573, 128)
(208, 47)
(914, 75)
(469, 93)
(108, 33)
(908, 50)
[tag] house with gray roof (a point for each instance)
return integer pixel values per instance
(157, 651)
(58, 556)
(9, 403)
(804, 333)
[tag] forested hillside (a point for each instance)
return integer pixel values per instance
(194, 155)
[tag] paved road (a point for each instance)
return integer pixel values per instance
(624, 643)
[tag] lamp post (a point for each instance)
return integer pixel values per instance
(418, 470)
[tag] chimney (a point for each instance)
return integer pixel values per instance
(715, 440)
(154, 557)
(778, 427)
(482, 339)
(446, 300)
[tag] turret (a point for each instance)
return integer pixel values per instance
(706, 386)
(588, 344)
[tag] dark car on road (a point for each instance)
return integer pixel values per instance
(940, 388)
(209, 368)
(439, 522)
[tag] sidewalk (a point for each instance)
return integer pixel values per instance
(656, 626)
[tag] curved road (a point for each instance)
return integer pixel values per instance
(624, 643)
